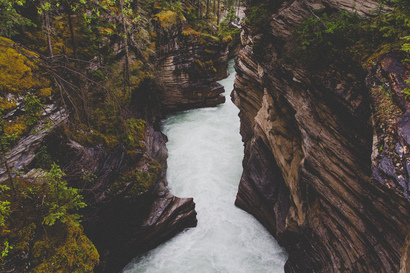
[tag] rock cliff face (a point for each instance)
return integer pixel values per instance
(189, 68)
(315, 172)
(23, 152)
(121, 220)
(120, 223)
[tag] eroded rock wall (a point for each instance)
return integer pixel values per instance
(189, 68)
(120, 222)
(308, 166)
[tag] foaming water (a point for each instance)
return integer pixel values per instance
(205, 162)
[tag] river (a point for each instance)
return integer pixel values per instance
(205, 162)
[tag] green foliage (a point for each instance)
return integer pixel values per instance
(178, 8)
(61, 199)
(65, 248)
(258, 12)
(134, 133)
(33, 108)
(10, 131)
(406, 48)
(43, 159)
(44, 225)
(136, 181)
(231, 15)
(326, 39)
(6, 106)
(340, 36)
(257, 15)
(4, 207)
(6, 249)
(10, 20)
(226, 32)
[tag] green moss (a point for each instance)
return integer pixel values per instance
(138, 73)
(6, 106)
(206, 67)
(167, 18)
(326, 40)
(61, 247)
(16, 70)
(134, 134)
(64, 248)
(18, 127)
(190, 32)
(136, 181)
(208, 38)
(23, 238)
(44, 93)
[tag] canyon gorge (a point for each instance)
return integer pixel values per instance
(323, 97)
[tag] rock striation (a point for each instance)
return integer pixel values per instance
(189, 67)
(23, 152)
(315, 173)
(120, 222)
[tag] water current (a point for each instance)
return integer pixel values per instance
(205, 162)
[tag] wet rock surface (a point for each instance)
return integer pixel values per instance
(315, 172)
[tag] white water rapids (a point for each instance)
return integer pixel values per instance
(205, 162)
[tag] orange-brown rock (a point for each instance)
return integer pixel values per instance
(310, 163)
(189, 67)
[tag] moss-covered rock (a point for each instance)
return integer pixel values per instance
(30, 245)
(18, 70)
(138, 181)
(167, 19)
(64, 248)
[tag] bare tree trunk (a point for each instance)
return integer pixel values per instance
(127, 65)
(48, 30)
(199, 10)
(214, 7)
(70, 23)
(207, 8)
(218, 12)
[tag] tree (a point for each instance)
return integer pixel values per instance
(218, 12)
(68, 6)
(10, 19)
(44, 9)
(125, 40)
(61, 199)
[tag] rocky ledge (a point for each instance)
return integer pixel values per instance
(121, 221)
(315, 171)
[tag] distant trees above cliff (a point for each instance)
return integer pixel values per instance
(329, 35)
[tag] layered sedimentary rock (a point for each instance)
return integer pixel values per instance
(189, 67)
(23, 152)
(123, 222)
(315, 173)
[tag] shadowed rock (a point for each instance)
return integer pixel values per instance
(311, 173)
